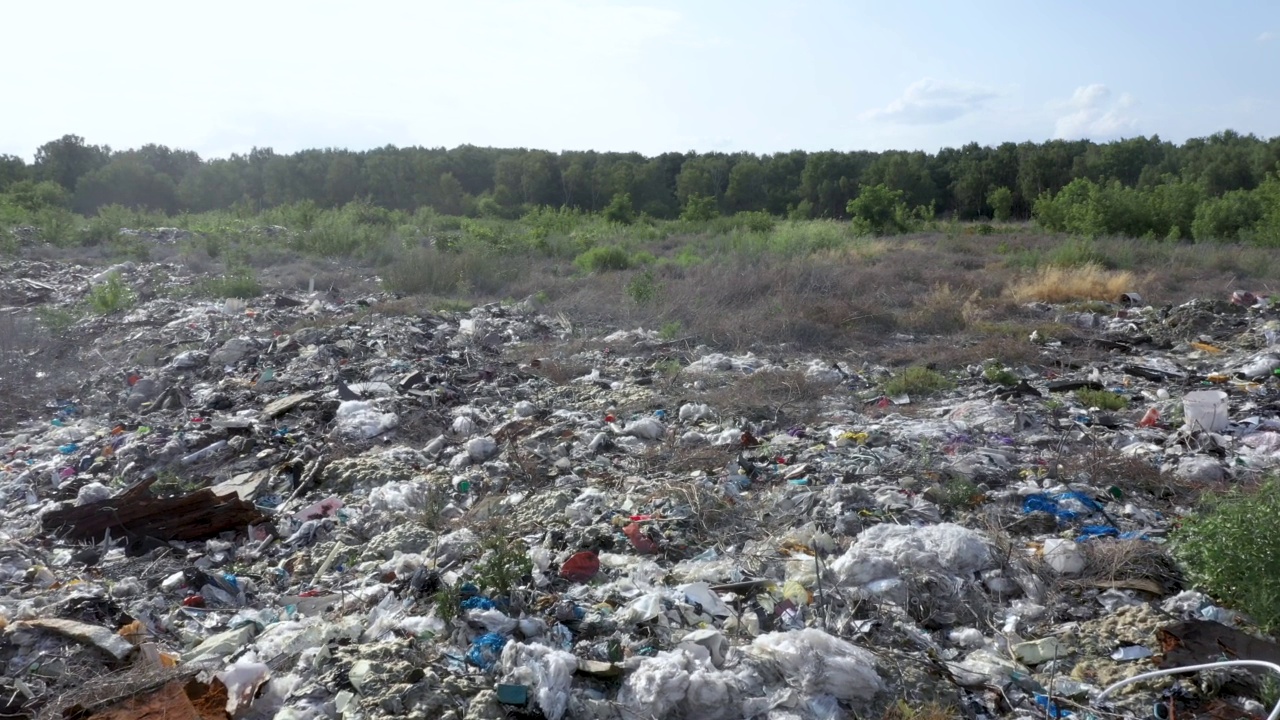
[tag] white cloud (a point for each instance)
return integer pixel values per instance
(932, 102)
(1091, 113)
(1266, 37)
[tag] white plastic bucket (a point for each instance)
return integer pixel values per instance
(1205, 410)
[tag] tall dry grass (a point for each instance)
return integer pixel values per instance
(1053, 284)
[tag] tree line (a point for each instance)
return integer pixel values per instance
(970, 182)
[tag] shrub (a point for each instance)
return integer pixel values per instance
(1231, 549)
(111, 296)
(917, 380)
(603, 259)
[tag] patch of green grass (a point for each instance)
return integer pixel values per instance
(1101, 399)
(112, 296)
(917, 380)
(448, 602)
(1231, 550)
(453, 305)
(56, 320)
(671, 330)
(240, 284)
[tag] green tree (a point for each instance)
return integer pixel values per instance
(1001, 202)
(620, 210)
(68, 159)
(12, 170)
(128, 182)
(34, 196)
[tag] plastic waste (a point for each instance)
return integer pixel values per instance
(1205, 410)
(486, 650)
(1132, 652)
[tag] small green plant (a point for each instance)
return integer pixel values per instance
(643, 288)
(503, 565)
(603, 258)
(995, 373)
(1231, 550)
(671, 330)
(917, 380)
(111, 296)
(1102, 399)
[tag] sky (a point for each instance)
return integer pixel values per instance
(634, 75)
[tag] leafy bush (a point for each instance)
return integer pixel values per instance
(603, 259)
(111, 296)
(917, 380)
(1231, 549)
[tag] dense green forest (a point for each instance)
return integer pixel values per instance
(1222, 187)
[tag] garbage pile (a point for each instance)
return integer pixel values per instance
(312, 506)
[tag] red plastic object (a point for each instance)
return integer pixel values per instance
(639, 540)
(581, 567)
(193, 601)
(1150, 419)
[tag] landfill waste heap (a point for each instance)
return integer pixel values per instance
(310, 506)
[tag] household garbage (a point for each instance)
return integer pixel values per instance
(333, 509)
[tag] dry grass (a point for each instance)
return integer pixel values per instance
(772, 396)
(1118, 561)
(1067, 284)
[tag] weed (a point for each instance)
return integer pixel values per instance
(917, 380)
(111, 296)
(671, 330)
(1231, 549)
(1101, 399)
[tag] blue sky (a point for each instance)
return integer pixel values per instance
(644, 75)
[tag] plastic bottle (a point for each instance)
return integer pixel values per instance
(205, 452)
